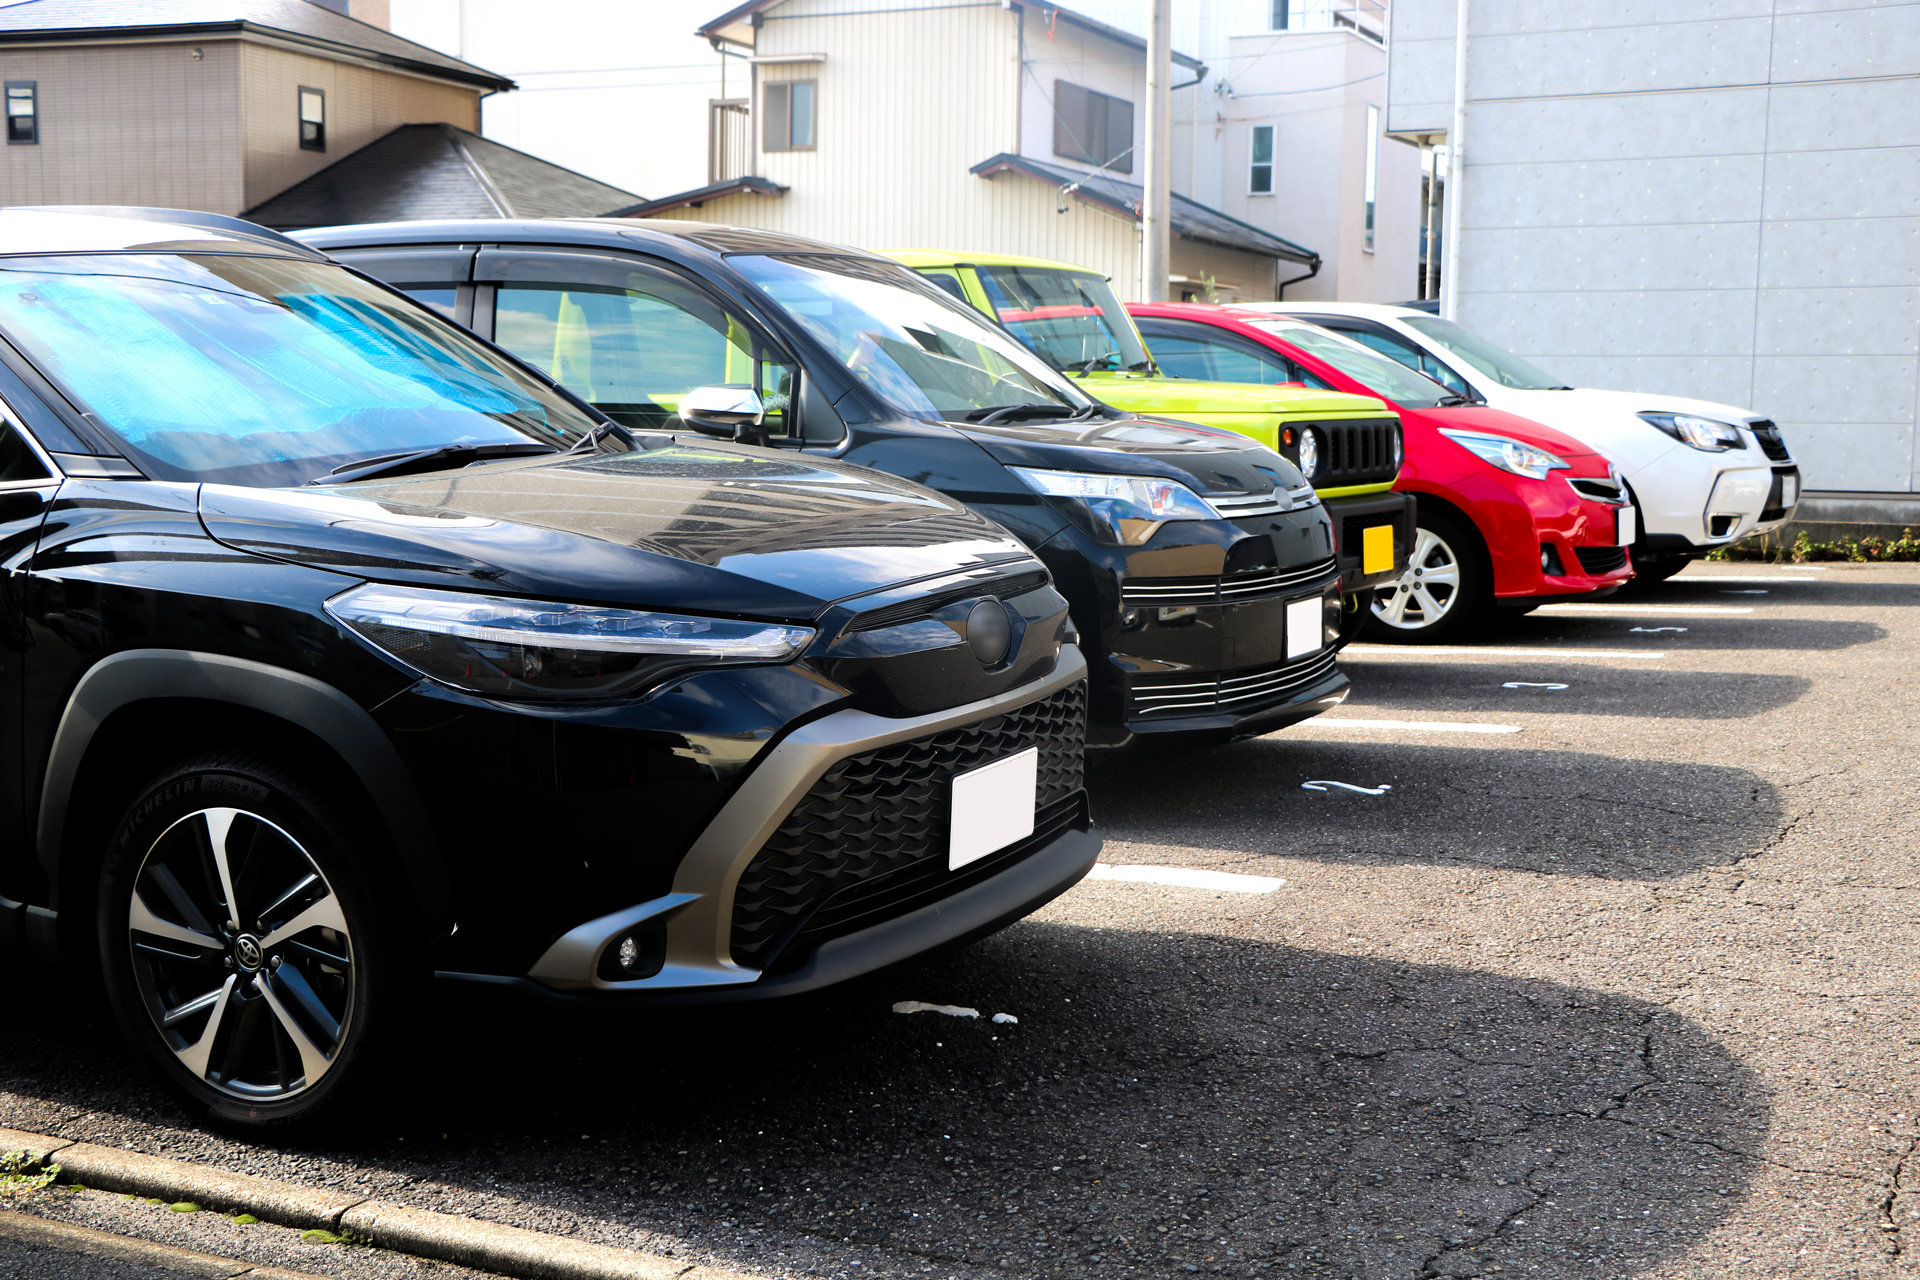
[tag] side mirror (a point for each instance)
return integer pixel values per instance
(731, 410)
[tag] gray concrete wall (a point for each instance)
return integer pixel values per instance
(1716, 198)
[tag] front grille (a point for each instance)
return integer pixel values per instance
(1356, 453)
(877, 822)
(1240, 506)
(1237, 692)
(1771, 442)
(1597, 560)
(893, 615)
(1146, 593)
(1597, 489)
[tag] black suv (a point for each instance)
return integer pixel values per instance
(341, 649)
(1199, 564)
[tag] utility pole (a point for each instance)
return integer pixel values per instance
(1456, 167)
(1156, 221)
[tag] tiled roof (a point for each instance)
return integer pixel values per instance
(436, 171)
(295, 20)
(1191, 219)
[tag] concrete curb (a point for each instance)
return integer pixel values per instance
(445, 1237)
(27, 1229)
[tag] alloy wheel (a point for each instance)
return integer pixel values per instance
(1424, 594)
(241, 954)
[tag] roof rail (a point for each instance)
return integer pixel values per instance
(185, 218)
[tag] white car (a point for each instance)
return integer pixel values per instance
(1702, 474)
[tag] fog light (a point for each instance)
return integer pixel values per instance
(1550, 561)
(638, 953)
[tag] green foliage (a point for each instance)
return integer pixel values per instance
(185, 1206)
(330, 1237)
(245, 1219)
(1773, 549)
(22, 1174)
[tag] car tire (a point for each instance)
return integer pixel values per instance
(1446, 592)
(279, 1016)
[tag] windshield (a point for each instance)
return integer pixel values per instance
(923, 353)
(1386, 378)
(264, 371)
(1504, 367)
(1071, 318)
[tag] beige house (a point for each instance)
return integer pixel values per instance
(206, 104)
(1014, 127)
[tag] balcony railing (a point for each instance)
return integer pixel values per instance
(1365, 18)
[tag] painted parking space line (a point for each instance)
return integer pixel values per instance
(1741, 579)
(1474, 651)
(1420, 726)
(1186, 878)
(1639, 610)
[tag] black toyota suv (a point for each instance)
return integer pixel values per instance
(341, 650)
(1199, 564)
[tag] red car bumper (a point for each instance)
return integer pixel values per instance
(1543, 538)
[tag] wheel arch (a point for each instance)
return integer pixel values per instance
(126, 696)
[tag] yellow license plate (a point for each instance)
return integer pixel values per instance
(1376, 548)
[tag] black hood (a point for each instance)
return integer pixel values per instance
(1206, 460)
(716, 529)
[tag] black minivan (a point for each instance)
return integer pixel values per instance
(340, 651)
(1199, 564)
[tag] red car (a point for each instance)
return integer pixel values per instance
(1511, 513)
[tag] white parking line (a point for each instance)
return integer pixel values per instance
(1186, 878)
(1637, 610)
(1707, 578)
(1473, 651)
(1425, 726)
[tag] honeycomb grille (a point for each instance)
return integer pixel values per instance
(1602, 559)
(880, 818)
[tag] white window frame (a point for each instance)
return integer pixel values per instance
(1369, 205)
(1254, 163)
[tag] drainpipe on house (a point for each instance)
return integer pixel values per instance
(1456, 169)
(1156, 220)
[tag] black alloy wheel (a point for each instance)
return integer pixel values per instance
(242, 954)
(1445, 595)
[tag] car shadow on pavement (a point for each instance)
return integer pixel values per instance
(1480, 688)
(1555, 812)
(1166, 1103)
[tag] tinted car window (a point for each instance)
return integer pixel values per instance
(632, 352)
(1386, 378)
(1406, 353)
(257, 370)
(1192, 357)
(1071, 318)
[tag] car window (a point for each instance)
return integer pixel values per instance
(440, 299)
(1192, 356)
(1420, 361)
(1072, 319)
(1388, 379)
(631, 340)
(264, 371)
(1488, 357)
(915, 347)
(18, 462)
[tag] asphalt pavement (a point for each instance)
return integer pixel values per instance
(1626, 993)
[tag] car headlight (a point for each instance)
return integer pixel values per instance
(1309, 452)
(1707, 434)
(1124, 510)
(534, 649)
(1399, 447)
(1508, 454)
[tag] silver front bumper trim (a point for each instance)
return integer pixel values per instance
(699, 911)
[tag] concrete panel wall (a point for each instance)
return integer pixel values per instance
(135, 124)
(363, 103)
(1714, 200)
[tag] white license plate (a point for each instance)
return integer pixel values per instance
(1625, 527)
(992, 807)
(1303, 628)
(1789, 490)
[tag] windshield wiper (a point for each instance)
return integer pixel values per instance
(1143, 366)
(1034, 409)
(1448, 402)
(1085, 367)
(435, 459)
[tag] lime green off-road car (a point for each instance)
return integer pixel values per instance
(1347, 446)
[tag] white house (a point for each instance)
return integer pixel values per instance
(1013, 127)
(1720, 201)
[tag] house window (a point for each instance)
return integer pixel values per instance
(790, 115)
(23, 113)
(1373, 169)
(1281, 12)
(1260, 169)
(1092, 127)
(313, 119)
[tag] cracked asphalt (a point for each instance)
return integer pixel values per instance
(1628, 993)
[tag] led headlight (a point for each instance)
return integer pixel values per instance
(1124, 510)
(532, 649)
(1705, 434)
(1507, 453)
